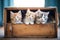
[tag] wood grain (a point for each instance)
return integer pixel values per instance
(21, 30)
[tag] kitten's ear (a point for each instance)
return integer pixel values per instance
(47, 13)
(38, 10)
(19, 11)
(11, 12)
(28, 10)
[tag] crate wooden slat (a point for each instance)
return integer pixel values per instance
(21, 30)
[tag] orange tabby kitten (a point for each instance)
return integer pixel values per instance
(16, 17)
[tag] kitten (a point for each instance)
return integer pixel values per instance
(41, 17)
(29, 17)
(16, 17)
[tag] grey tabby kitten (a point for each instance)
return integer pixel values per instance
(41, 17)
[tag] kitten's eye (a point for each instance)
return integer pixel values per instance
(44, 17)
(17, 17)
(42, 14)
(29, 15)
(32, 16)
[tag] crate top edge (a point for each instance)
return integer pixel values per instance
(29, 8)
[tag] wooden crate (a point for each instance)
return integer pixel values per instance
(35, 30)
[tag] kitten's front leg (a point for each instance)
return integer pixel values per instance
(20, 22)
(43, 22)
(26, 22)
(31, 22)
(38, 21)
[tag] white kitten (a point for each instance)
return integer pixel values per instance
(16, 17)
(41, 17)
(44, 17)
(29, 17)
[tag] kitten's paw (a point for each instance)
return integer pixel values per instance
(31, 22)
(26, 23)
(21, 22)
(43, 22)
(37, 22)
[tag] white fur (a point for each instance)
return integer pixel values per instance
(29, 19)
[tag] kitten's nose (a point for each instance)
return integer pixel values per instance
(42, 19)
(15, 14)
